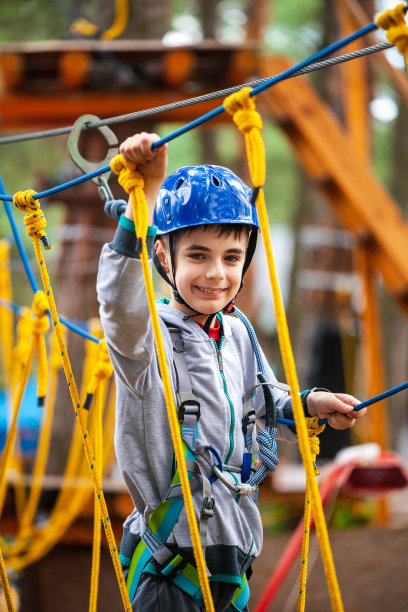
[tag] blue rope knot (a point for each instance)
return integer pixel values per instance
(268, 454)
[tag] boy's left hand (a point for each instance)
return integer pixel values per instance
(337, 408)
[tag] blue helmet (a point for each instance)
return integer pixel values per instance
(203, 195)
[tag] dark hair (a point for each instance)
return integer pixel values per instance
(222, 229)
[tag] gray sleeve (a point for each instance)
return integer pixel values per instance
(123, 308)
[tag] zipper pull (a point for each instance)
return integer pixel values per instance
(219, 357)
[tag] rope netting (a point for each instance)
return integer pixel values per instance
(84, 471)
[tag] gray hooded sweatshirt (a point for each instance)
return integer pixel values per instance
(219, 379)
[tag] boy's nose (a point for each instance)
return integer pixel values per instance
(215, 270)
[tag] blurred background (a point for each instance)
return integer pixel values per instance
(337, 200)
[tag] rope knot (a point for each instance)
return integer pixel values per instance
(40, 304)
(392, 17)
(242, 108)
(24, 200)
(103, 367)
(268, 451)
(129, 179)
(393, 21)
(34, 219)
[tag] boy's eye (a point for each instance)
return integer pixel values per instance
(196, 255)
(232, 258)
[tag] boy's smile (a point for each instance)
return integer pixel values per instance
(208, 269)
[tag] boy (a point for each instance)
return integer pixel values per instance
(206, 236)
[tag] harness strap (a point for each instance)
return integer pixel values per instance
(184, 575)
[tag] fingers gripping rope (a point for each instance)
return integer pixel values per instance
(133, 183)
(393, 21)
(34, 218)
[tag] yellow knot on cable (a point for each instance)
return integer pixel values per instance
(245, 116)
(34, 218)
(393, 21)
(133, 183)
(313, 430)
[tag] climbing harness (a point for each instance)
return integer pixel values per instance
(151, 554)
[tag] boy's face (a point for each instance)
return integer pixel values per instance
(208, 269)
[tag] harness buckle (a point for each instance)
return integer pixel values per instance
(188, 407)
(208, 506)
(248, 419)
(168, 571)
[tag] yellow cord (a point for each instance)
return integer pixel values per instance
(5, 585)
(242, 107)
(35, 227)
(11, 436)
(83, 27)
(120, 22)
(133, 184)
(313, 429)
(6, 316)
(393, 21)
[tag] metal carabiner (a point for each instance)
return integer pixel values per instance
(87, 166)
(238, 489)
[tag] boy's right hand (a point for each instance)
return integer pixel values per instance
(137, 151)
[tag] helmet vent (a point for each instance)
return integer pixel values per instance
(179, 183)
(215, 180)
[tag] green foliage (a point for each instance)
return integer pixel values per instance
(32, 20)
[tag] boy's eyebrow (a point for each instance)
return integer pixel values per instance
(200, 247)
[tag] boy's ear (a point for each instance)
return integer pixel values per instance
(162, 255)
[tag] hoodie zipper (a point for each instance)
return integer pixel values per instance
(231, 406)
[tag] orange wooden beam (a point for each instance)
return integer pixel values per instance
(34, 110)
(362, 204)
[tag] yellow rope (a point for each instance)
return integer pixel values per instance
(83, 27)
(102, 371)
(393, 21)
(11, 436)
(242, 108)
(42, 453)
(6, 316)
(120, 22)
(35, 227)
(133, 184)
(74, 496)
(5, 585)
(40, 327)
(313, 429)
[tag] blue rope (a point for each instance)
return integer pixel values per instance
(26, 262)
(29, 272)
(272, 81)
(217, 111)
